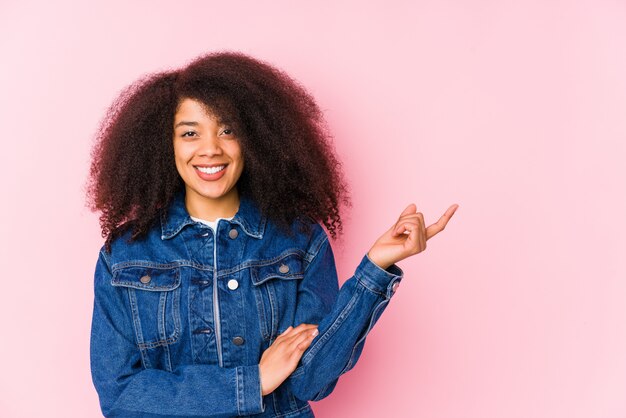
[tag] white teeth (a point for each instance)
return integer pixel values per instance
(211, 170)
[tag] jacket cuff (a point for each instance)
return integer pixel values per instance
(249, 394)
(378, 280)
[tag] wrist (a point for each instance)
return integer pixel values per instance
(382, 264)
(261, 374)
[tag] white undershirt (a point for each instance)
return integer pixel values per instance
(211, 224)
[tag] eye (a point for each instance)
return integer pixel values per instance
(188, 132)
(227, 131)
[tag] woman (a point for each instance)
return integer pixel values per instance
(216, 292)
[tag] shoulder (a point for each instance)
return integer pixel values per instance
(304, 235)
(125, 248)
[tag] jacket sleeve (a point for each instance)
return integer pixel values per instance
(125, 389)
(344, 318)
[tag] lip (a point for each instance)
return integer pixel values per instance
(211, 177)
(209, 165)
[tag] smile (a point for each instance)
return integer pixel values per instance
(213, 173)
(211, 170)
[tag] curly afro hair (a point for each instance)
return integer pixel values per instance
(290, 166)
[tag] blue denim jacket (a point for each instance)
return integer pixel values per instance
(182, 316)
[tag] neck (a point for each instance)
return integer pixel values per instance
(201, 207)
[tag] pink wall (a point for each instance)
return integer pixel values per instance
(514, 110)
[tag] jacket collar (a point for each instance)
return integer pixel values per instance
(176, 217)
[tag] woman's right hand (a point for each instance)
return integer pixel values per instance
(282, 357)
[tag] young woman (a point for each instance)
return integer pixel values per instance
(216, 292)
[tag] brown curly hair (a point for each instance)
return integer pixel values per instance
(290, 166)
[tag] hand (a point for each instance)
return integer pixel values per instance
(406, 237)
(282, 357)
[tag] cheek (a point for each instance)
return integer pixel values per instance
(239, 153)
(240, 165)
(238, 168)
(180, 157)
(180, 151)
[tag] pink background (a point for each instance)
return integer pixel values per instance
(514, 110)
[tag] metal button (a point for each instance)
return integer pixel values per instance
(284, 268)
(395, 287)
(233, 233)
(145, 279)
(238, 340)
(233, 284)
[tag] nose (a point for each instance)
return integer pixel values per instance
(210, 146)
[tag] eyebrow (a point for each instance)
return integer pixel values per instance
(184, 122)
(194, 123)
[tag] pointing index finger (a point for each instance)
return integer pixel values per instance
(439, 226)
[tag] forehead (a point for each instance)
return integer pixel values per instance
(194, 109)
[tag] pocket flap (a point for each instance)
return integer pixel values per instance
(147, 278)
(289, 267)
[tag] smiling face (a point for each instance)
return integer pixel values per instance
(209, 159)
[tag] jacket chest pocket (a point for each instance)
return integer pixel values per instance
(275, 285)
(154, 296)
